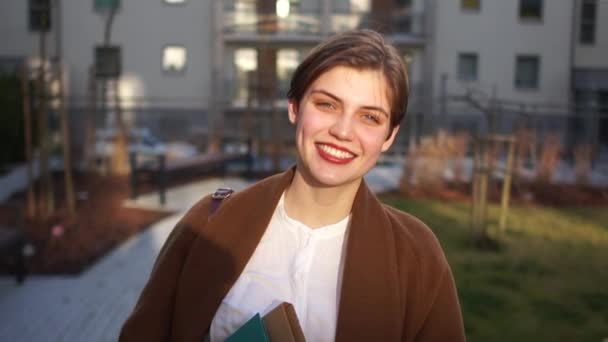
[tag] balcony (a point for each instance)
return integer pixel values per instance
(398, 22)
(246, 25)
(250, 26)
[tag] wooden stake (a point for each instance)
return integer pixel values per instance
(506, 186)
(89, 148)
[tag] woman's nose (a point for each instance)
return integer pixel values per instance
(342, 128)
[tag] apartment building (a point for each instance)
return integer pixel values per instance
(543, 57)
(188, 61)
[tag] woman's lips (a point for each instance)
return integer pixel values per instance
(334, 154)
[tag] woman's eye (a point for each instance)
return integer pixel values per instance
(326, 105)
(372, 118)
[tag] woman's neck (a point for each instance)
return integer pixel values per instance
(318, 206)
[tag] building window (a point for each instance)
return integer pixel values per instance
(467, 67)
(106, 5)
(287, 62)
(108, 61)
(39, 15)
(588, 18)
(174, 59)
(526, 72)
(245, 78)
(531, 9)
(470, 5)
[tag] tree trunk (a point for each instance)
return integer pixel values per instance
(27, 126)
(46, 191)
(67, 159)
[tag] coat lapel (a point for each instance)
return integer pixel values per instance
(368, 309)
(220, 253)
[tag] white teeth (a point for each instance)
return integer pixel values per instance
(335, 152)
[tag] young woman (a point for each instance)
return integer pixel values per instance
(314, 236)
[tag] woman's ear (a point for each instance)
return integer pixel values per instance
(391, 138)
(292, 110)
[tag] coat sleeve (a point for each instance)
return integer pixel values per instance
(444, 320)
(151, 318)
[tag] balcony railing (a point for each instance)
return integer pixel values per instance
(252, 22)
(398, 22)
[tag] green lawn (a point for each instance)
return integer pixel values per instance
(548, 281)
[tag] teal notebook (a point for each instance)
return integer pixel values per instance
(252, 331)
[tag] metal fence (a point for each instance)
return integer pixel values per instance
(268, 126)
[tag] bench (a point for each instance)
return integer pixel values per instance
(12, 242)
(159, 169)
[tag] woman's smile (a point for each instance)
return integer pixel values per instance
(335, 154)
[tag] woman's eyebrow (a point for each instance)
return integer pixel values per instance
(325, 92)
(336, 98)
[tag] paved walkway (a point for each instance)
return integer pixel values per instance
(93, 306)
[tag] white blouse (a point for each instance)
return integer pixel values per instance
(292, 263)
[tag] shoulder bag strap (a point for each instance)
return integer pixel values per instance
(216, 199)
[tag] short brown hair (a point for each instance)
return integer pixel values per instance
(359, 49)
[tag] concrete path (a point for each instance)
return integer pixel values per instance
(93, 306)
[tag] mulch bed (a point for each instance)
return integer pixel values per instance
(63, 246)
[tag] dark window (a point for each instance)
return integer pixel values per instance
(108, 61)
(470, 5)
(467, 67)
(588, 17)
(602, 97)
(39, 15)
(526, 72)
(531, 9)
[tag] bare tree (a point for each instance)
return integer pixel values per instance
(67, 159)
(27, 127)
(46, 204)
(119, 160)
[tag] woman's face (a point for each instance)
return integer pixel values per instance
(342, 124)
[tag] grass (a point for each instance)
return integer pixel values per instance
(547, 282)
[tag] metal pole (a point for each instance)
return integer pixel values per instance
(444, 95)
(326, 17)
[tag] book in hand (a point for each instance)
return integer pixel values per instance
(252, 331)
(279, 325)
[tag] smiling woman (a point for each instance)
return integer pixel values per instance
(314, 236)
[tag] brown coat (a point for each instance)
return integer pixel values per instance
(396, 285)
